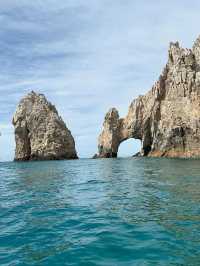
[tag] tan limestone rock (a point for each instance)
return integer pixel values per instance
(40, 133)
(167, 118)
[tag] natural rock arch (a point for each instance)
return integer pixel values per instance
(116, 130)
(129, 148)
(167, 118)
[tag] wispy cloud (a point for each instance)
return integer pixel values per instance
(86, 56)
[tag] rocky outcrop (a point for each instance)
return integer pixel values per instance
(40, 133)
(167, 118)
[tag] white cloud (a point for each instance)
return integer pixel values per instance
(86, 56)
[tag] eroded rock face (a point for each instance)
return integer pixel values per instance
(40, 133)
(167, 118)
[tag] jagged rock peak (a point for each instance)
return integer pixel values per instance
(166, 119)
(108, 137)
(112, 117)
(196, 50)
(40, 133)
(196, 43)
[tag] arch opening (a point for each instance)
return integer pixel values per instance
(129, 147)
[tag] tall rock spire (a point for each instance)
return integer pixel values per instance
(40, 133)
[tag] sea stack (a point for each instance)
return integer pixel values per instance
(40, 133)
(167, 118)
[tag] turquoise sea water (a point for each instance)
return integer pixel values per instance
(100, 212)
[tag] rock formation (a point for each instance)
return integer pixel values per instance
(40, 133)
(167, 118)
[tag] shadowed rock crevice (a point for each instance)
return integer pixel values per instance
(167, 118)
(40, 133)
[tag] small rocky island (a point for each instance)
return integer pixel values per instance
(40, 133)
(167, 118)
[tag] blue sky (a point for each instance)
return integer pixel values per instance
(86, 56)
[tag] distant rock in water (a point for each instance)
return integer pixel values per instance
(40, 133)
(167, 118)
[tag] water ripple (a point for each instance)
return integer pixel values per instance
(100, 212)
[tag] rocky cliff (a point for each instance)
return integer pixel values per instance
(40, 133)
(167, 118)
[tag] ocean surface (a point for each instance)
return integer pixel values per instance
(130, 211)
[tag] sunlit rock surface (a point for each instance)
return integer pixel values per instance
(40, 133)
(167, 118)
